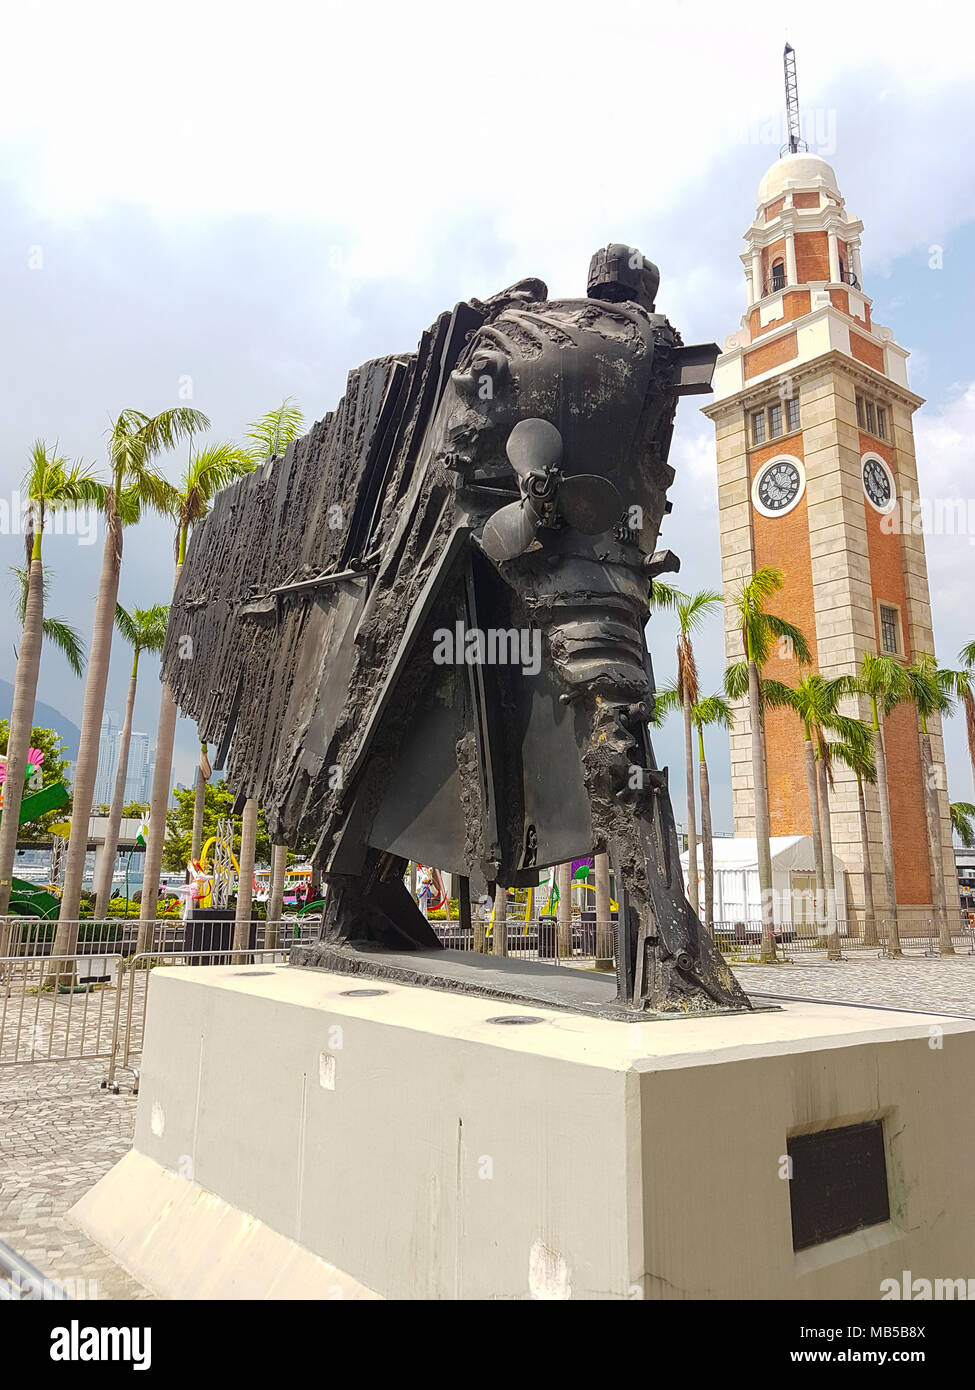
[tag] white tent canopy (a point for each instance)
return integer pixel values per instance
(736, 891)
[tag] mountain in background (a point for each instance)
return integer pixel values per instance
(45, 717)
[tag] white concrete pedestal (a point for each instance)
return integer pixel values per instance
(294, 1140)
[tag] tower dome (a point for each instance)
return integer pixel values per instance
(806, 171)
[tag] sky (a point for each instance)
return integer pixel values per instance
(221, 205)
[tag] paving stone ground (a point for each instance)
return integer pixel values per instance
(59, 1132)
(938, 985)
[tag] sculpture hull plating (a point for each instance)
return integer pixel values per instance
(420, 633)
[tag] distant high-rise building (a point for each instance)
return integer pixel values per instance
(137, 784)
(107, 759)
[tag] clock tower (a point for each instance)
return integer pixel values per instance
(816, 469)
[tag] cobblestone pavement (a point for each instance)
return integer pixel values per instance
(935, 984)
(59, 1133)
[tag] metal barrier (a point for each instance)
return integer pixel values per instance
(20, 1281)
(61, 1008)
(533, 940)
(31, 936)
(917, 934)
(53, 1008)
(132, 989)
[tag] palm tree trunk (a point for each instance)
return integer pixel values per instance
(21, 723)
(499, 934)
(103, 887)
(199, 807)
(158, 806)
(880, 757)
(762, 847)
(66, 940)
(931, 810)
(869, 915)
(564, 935)
(707, 833)
(692, 885)
(245, 883)
(817, 837)
(275, 897)
(604, 917)
(829, 874)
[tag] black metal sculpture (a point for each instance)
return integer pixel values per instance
(423, 627)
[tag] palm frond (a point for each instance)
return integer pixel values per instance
(665, 701)
(144, 629)
(67, 640)
(664, 596)
(210, 469)
(736, 680)
(125, 625)
(713, 709)
(857, 756)
(925, 688)
(782, 628)
(963, 822)
(275, 431)
(778, 695)
(694, 609)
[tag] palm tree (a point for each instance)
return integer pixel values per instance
(132, 486)
(880, 679)
(58, 632)
(51, 484)
(815, 699)
(275, 431)
(759, 631)
(208, 471)
(857, 754)
(963, 822)
(692, 611)
(707, 710)
(965, 690)
(928, 689)
(203, 771)
(145, 631)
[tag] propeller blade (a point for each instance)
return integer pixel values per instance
(510, 531)
(533, 446)
(589, 504)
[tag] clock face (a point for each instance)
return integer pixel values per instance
(877, 485)
(778, 487)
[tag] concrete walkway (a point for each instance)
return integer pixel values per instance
(59, 1133)
(934, 984)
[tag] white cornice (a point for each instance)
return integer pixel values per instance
(762, 388)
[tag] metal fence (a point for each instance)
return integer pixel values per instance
(533, 940)
(90, 1004)
(917, 935)
(31, 936)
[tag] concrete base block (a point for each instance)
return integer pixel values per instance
(302, 1135)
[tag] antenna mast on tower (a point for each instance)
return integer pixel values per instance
(794, 143)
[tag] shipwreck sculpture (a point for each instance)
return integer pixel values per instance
(419, 634)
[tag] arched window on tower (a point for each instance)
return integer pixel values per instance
(778, 276)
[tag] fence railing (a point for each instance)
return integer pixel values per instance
(735, 938)
(20, 1281)
(131, 994)
(533, 940)
(91, 1004)
(31, 936)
